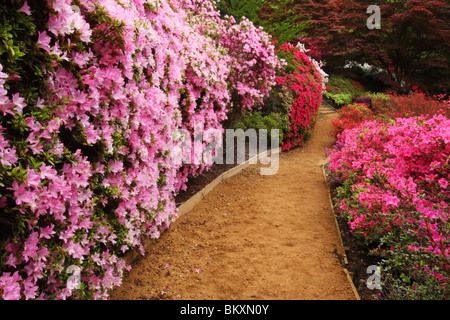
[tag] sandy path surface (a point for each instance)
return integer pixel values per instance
(252, 237)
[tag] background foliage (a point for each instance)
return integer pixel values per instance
(410, 49)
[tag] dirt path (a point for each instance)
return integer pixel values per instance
(252, 237)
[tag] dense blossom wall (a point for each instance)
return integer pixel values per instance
(304, 81)
(395, 193)
(90, 95)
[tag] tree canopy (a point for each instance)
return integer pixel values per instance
(410, 47)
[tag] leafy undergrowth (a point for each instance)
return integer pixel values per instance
(340, 90)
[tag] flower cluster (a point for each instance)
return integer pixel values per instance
(395, 193)
(305, 81)
(86, 166)
(351, 116)
(413, 104)
(390, 106)
(255, 65)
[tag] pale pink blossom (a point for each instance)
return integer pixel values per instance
(44, 41)
(47, 232)
(11, 286)
(25, 8)
(21, 194)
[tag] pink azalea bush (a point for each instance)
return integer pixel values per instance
(293, 106)
(86, 129)
(395, 192)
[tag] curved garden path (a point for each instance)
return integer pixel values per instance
(252, 237)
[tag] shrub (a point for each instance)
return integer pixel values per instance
(256, 120)
(395, 194)
(414, 104)
(340, 99)
(351, 116)
(340, 90)
(305, 82)
(90, 96)
(294, 102)
(389, 106)
(338, 84)
(377, 95)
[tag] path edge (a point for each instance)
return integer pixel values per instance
(349, 278)
(189, 204)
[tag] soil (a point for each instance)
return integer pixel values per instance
(253, 237)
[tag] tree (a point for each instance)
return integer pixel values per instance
(281, 20)
(240, 8)
(411, 47)
(275, 16)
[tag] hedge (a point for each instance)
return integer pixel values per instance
(91, 93)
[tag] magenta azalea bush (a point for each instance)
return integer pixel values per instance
(304, 80)
(395, 193)
(90, 95)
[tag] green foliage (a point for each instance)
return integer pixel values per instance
(240, 8)
(256, 120)
(378, 95)
(341, 99)
(338, 84)
(283, 25)
(19, 54)
(341, 89)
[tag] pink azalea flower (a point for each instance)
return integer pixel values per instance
(12, 260)
(443, 183)
(25, 9)
(30, 289)
(116, 166)
(44, 41)
(47, 232)
(13, 77)
(11, 286)
(8, 156)
(30, 248)
(22, 194)
(47, 172)
(33, 179)
(391, 200)
(2, 75)
(67, 235)
(6, 106)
